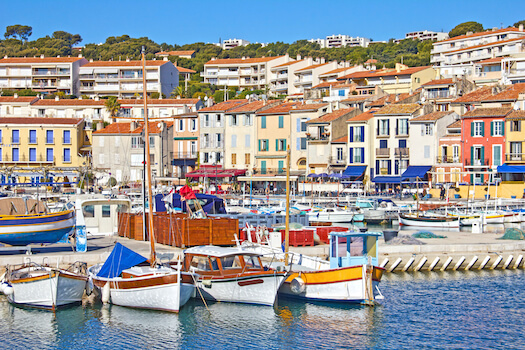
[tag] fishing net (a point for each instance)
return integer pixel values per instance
(426, 234)
(293, 226)
(514, 234)
(404, 239)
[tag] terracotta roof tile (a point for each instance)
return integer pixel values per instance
(287, 64)
(332, 116)
(158, 101)
(383, 73)
(312, 67)
(475, 96)
(19, 99)
(343, 139)
(357, 98)
(40, 60)
(185, 70)
(283, 108)
(240, 60)
(38, 121)
(176, 53)
(439, 82)
(389, 99)
(430, 117)
(223, 106)
(455, 125)
(308, 106)
(487, 32)
(150, 63)
(338, 70)
(485, 45)
(68, 102)
(516, 115)
(125, 128)
(249, 107)
(363, 116)
(509, 94)
(400, 108)
(491, 60)
(488, 112)
(326, 84)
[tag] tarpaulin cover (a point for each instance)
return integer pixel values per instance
(121, 258)
(209, 203)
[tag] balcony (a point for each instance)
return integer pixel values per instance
(41, 159)
(447, 159)
(185, 155)
(383, 152)
(322, 137)
(476, 162)
(269, 171)
(51, 72)
(401, 152)
(438, 94)
(334, 160)
(515, 157)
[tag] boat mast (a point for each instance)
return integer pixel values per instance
(287, 217)
(153, 256)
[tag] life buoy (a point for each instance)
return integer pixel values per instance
(267, 191)
(297, 286)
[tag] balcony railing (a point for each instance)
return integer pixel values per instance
(337, 160)
(438, 94)
(476, 162)
(25, 159)
(515, 157)
(382, 132)
(323, 137)
(448, 159)
(382, 152)
(269, 171)
(401, 152)
(185, 155)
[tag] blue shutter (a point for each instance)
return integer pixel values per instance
(363, 155)
(471, 155)
(377, 167)
(362, 134)
(298, 120)
(351, 134)
(389, 166)
(298, 146)
(351, 153)
(396, 167)
(388, 126)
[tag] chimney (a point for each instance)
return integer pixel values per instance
(178, 97)
(57, 98)
(91, 60)
(298, 57)
(310, 61)
(100, 126)
(42, 56)
(127, 59)
(455, 79)
(322, 60)
(58, 56)
(243, 57)
(520, 28)
(96, 98)
(165, 59)
(80, 97)
(470, 33)
(15, 95)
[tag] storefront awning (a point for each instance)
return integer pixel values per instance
(354, 171)
(215, 173)
(416, 171)
(516, 169)
(258, 178)
(386, 179)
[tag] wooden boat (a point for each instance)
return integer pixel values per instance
(333, 215)
(233, 275)
(45, 287)
(24, 221)
(123, 281)
(428, 221)
(353, 275)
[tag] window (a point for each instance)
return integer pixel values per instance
(67, 155)
(281, 122)
(455, 153)
(126, 112)
(15, 154)
(280, 145)
(477, 129)
(402, 127)
(497, 128)
(515, 125)
(234, 159)
(88, 211)
(234, 141)
(152, 141)
(206, 157)
(49, 137)
(106, 211)
(137, 142)
(280, 166)
(341, 92)
(303, 143)
(247, 140)
(340, 155)
(230, 262)
(180, 125)
(515, 150)
(193, 124)
(264, 145)
(496, 155)
(234, 120)
(49, 155)
(15, 136)
(248, 120)
(67, 137)
(426, 151)
(358, 155)
(303, 124)
(359, 134)
(32, 136)
(32, 154)
(218, 119)
(136, 159)
(206, 121)
(246, 158)
(383, 127)
(427, 129)
(263, 122)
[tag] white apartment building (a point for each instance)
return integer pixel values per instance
(282, 76)
(513, 69)
(308, 77)
(426, 35)
(16, 106)
(46, 74)
(340, 40)
(159, 108)
(124, 78)
(457, 56)
(229, 44)
(91, 111)
(245, 73)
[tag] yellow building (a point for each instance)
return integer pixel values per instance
(36, 148)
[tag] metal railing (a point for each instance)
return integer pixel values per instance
(476, 162)
(337, 160)
(403, 152)
(382, 152)
(25, 159)
(269, 171)
(448, 159)
(515, 156)
(185, 155)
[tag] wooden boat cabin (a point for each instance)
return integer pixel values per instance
(353, 249)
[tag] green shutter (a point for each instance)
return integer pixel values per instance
(285, 145)
(281, 122)
(483, 156)
(491, 128)
(472, 124)
(502, 128)
(267, 145)
(281, 166)
(259, 145)
(276, 144)
(482, 128)
(263, 122)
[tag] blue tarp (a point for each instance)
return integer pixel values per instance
(414, 171)
(121, 258)
(386, 179)
(209, 203)
(516, 169)
(354, 171)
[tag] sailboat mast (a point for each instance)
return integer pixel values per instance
(287, 220)
(153, 256)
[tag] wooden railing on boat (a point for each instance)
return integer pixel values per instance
(178, 230)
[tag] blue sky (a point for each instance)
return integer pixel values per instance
(183, 22)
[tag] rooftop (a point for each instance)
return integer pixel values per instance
(250, 107)
(240, 60)
(448, 81)
(488, 112)
(343, 139)
(176, 53)
(363, 116)
(223, 106)
(69, 102)
(516, 115)
(455, 125)
(20, 99)
(431, 116)
(509, 94)
(399, 108)
(283, 108)
(332, 116)
(487, 32)
(160, 101)
(40, 60)
(124, 63)
(383, 73)
(35, 121)
(475, 96)
(125, 128)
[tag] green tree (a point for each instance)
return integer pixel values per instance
(466, 27)
(112, 106)
(18, 30)
(517, 24)
(72, 39)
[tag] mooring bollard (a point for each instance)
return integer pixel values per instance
(484, 262)
(458, 264)
(407, 266)
(507, 263)
(496, 262)
(434, 263)
(471, 263)
(518, 261)
(421, 263)
(445, 265)
(394, 265)
(383, 264)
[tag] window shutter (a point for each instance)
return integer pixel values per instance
(234, 140)
(388, 126)
(263, 122)
(519, 125)
(363, 155)
(377, 167)
(389, 166)
(422, 129)
(472, 155)
(351, 155)
(285, 148)
(362, 134)
(298, 120)
(472, 126)
(483, 156)
(502, 128)
(396, 167)
(351, 134)
(482, 128)
(281, 122)
(377, 129)
(267, 145)
(276, 144)
(298, 147)
(491, 128)
(259, 145)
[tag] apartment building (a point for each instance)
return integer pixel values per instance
(340, 40)
(189, 54)
(457, 55)
(229, 44)
(449, 163)
(515, 138)
(124, 78)
(158, 108)
(401, 79)
(32, 149)
(16, 106)
(245, 73)
(92, 111)
(212, 130)
(513, 69)
(282, 76)
(185, 143)
(45, 74)
(361, 158)
(426, 35)
(308, 77)
(441, 92)
(118, 150)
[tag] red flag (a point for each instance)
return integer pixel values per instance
(187, 193)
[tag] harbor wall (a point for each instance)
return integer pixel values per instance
(504, 190)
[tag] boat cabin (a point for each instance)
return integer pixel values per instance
(352, 248)
(221, 261)
(101, 215)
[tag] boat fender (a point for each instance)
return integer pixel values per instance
(206, 283)
(297, 286)
(106, 293)
(7, 289)
(89, 286)
(3, 285)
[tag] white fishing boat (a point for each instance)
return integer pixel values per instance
(233, 275)
(429, 221)
(333, 215)
(42, 286)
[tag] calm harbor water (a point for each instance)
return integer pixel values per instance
(472, 310)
